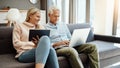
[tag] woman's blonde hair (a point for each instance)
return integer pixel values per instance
(31, 12)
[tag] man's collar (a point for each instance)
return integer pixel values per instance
(53, 24)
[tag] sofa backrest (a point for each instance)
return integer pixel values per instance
(81, 26)
(6, 40)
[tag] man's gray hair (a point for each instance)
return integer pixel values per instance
(52, 8)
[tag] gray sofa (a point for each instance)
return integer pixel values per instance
(108, 53)
(108, 46)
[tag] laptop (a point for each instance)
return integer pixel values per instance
(40, 33)
(79, 37)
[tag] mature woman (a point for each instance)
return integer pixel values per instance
(37, 50)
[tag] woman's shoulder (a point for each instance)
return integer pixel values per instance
(18, 25)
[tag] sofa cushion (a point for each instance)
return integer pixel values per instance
(107, 49)
(8, 61)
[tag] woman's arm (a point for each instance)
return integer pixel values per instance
(18, 44)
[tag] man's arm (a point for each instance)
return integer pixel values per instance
(65, 42)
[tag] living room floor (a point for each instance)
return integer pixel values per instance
(116, 65)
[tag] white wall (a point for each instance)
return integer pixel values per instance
(103, 17)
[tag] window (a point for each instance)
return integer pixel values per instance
(81, 11)
(75, 11)
(92, 9)
(64, 10)
(118, 21)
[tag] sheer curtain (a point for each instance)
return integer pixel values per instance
(77, 11)
(64, 9)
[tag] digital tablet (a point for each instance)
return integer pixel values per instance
(40, 33)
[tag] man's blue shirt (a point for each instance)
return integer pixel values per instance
(58, 32)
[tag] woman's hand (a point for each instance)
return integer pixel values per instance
(35, 40)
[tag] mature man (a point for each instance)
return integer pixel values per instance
(60, 36)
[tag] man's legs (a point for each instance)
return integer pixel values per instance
(91, 51)
(72, 56)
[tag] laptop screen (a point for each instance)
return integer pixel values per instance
(79, 37)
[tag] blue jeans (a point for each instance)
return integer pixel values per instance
(43, 53)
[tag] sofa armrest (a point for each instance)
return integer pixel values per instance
(107, 38)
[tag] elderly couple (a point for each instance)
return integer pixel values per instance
(41, 51)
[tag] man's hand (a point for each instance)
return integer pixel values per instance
(35, 40)
(65, 42)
